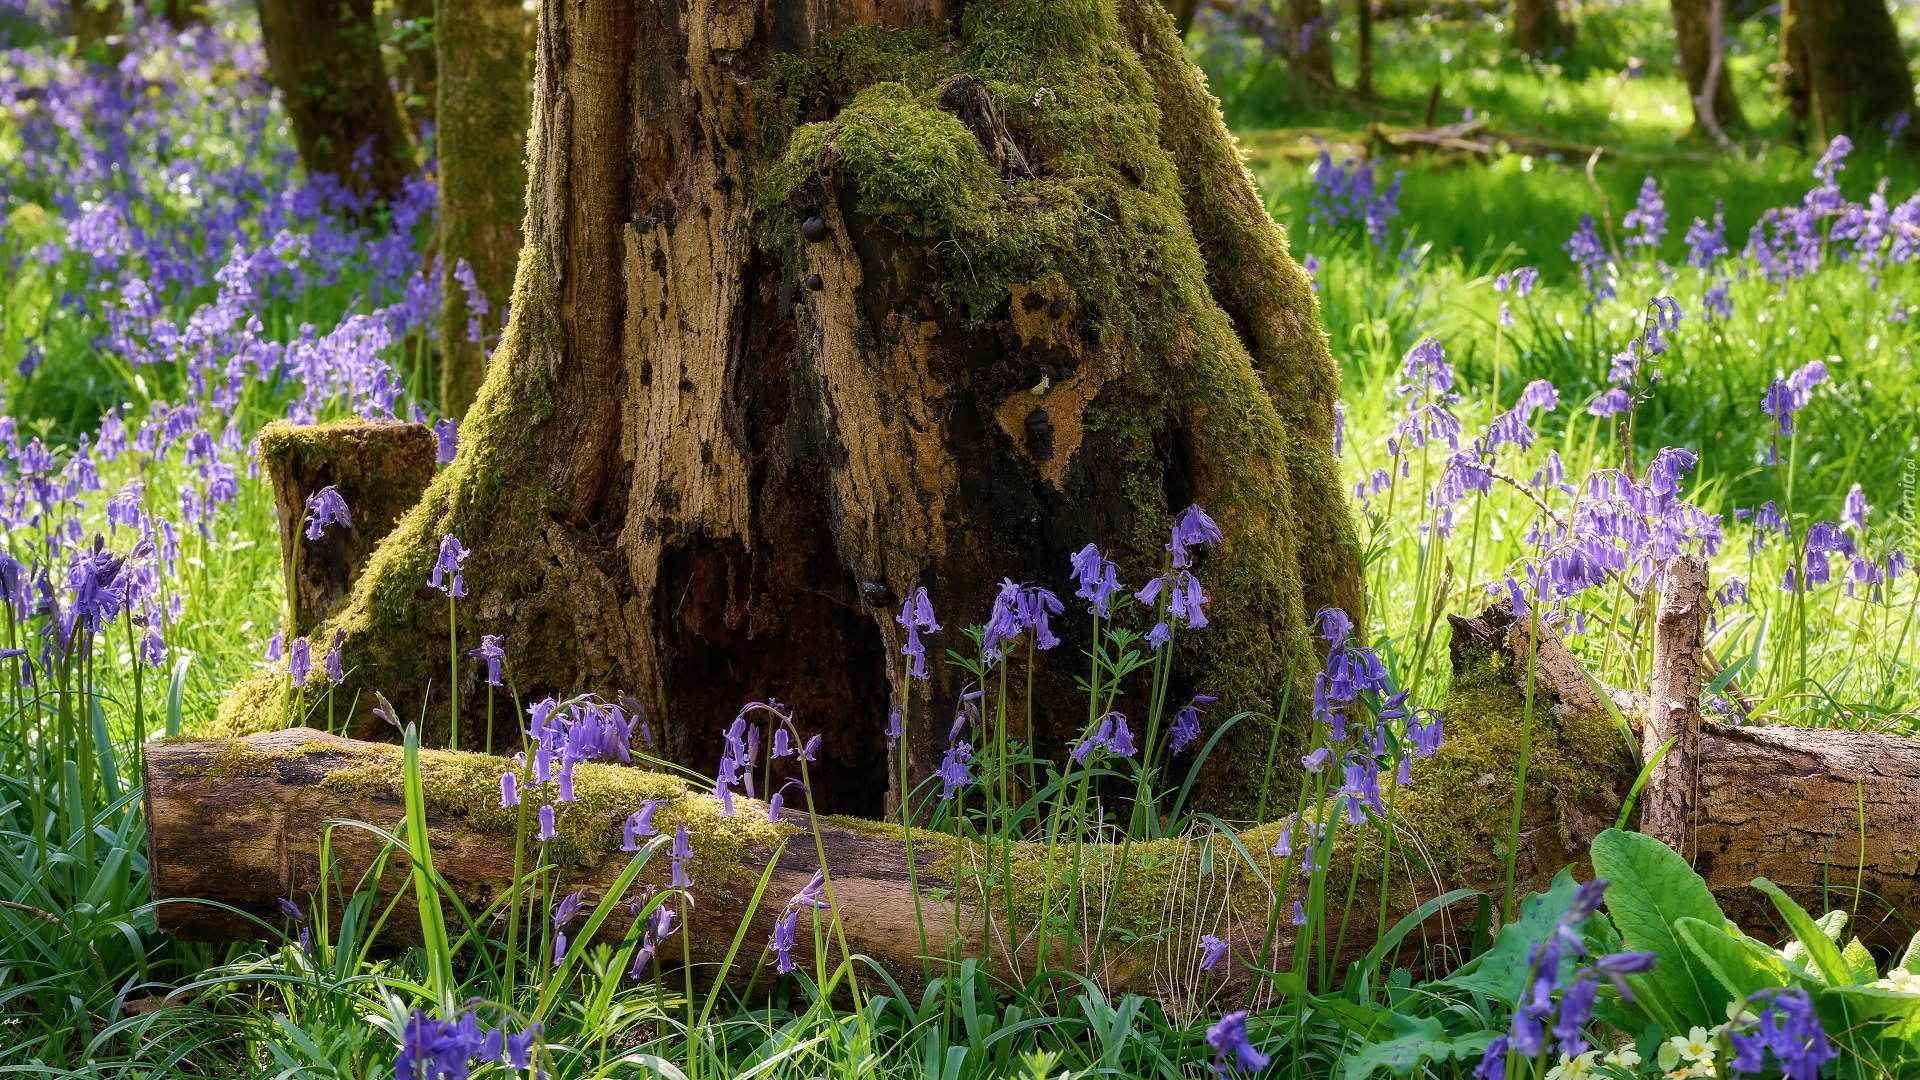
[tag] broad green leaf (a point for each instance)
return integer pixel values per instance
(1501, 973)
(1859, 962)
(1826, 955)
(1911, 956)
(1880, 1028)
(1653, 889)
(1741, 966)
(1416, 1041)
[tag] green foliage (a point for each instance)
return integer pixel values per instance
(1501, 972)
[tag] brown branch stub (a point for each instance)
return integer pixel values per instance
(968, 98)
(1669, 803)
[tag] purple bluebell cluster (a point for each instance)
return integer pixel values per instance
(1552, 1012)
(659, 929)
(1395, 733)
(564, 913)
(1590, 255)
(742, 749)
(1176, 592)
(916, 616)
(809, 898)
(1648, 217)
(325, 507)
(1787, 1031)
(447, 575)
(433, 1049)
(563, 734)
(1016, 609)
(1348, 192)
(491, 652)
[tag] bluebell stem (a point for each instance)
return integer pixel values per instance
(325, 507)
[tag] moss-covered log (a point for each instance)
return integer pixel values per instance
(325, 56)
(240, 821)
(715, 448)
(483, 51)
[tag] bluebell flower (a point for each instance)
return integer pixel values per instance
(1610, 403)
(1098, 579)
(1854, 515)
(509, 790)
(953, 770)
(1587, 252)
(1212, 949)
(446, 434)
(1231, 1042)
(325, 507)
(491, 652)
(300, 661)
(916, 615)
(452, 557)
(547, 831)
(1649, 216)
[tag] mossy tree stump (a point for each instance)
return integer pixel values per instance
(380, 469)
(715, 449)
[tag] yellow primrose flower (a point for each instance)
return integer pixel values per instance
(1900, 981)
(1579, 1068)
(1627, 1058)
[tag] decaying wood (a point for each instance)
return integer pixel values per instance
(240, 822)
(379, 469)
(1673, 703)
(744, 406)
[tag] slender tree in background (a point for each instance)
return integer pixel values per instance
(483, 111)
(1538, 28)
(326, 62)
(1309, 48)
(417, 46)
(1842, 67)
(823, 303)
(1700, 27)
(93, 20)
(1363, 82)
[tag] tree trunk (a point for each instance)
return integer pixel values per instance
(1672, 709)
(181, 14)
(1843, 70)
(93, 20)
(417, 40)
(483, 114)
(1309, 46)
(714, 450)
(325, 56)
(1699, 39)
(1363, 83)
(1538, 29)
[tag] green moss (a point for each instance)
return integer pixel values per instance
(252, 706)
(467, 785)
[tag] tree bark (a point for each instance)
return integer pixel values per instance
(1699, 40)
(417, 41)
(1843, 70)
(1673, 704)
(1538, 28)
(714, 451)
(483, 111)
(326, 62)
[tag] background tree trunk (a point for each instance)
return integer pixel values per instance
(1309, 46)
(714, 450)
(93, 20)
(325, 56)
(483, 110)
(1844, 70)
(1693, 26)
(1538, 29)
(417, 41)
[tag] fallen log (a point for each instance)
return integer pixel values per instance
(1827, 814)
